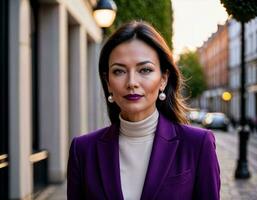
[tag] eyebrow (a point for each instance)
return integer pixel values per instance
(138, 64)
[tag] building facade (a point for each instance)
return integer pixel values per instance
(213, 55)
(234, 30)
(250, 67)
(50, 90)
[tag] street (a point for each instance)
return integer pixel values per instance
(227, 150)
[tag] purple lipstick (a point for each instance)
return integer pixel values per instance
(133, 97)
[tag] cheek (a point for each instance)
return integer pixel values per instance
(152, 93)
(113, 81)
(115, 85)
(153, 86)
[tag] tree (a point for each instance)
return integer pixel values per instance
(193, 73)
(158, 13)
(243, 11)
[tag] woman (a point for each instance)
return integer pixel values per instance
(148, 152)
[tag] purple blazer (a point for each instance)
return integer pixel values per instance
(183, 165)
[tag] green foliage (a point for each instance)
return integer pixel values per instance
(241, 10)
(193, 73)
(157, 13)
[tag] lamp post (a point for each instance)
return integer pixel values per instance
(243, 12)
(105, 13)
(242, 171)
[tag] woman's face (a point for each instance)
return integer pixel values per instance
(135, 79)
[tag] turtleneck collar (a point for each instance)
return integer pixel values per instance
(141, 128)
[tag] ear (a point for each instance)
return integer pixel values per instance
(164, 79)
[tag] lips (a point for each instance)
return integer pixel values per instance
(133, 97)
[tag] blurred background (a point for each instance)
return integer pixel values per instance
(50, 91)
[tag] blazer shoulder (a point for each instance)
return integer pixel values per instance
(194, 129)
(194, 133)
(91, 137)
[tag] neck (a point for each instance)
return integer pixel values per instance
(141, 128)
(135, 117)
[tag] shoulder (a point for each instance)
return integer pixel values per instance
(194, 135)
(193, 131)
(88, 140)
(94, 135)
(186, 133)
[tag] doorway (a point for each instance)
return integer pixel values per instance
(39, 157)
(4, 182)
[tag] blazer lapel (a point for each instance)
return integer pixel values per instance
(164, 149)
(108, 157)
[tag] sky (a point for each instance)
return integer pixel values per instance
(194, 22)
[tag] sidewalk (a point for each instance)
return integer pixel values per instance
(227, 150)
(231, 189)
(53, 192)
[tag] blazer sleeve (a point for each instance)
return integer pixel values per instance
(207, 184)
(74, 185)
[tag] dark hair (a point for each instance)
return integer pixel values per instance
(173, 107)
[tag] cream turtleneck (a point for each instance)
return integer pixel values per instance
(135, 145)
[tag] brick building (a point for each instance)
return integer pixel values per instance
(213, 55)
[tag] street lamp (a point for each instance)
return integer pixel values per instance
(226, 96)
(242, 11)
(105, 13)
(242, 171)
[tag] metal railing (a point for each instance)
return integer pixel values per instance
(4, 176)
(3, 161)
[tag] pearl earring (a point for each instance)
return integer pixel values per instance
(162, 96)
(110, 99)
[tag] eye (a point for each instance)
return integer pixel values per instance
(145, 70)
(118, 72)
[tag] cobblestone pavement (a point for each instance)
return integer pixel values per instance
(227, 150)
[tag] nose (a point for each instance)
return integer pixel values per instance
(132, 81)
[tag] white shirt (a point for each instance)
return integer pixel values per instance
(135, 145)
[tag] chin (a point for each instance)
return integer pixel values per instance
(134, 109)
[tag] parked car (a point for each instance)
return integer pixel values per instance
(201, 116)
(196, 115)
(193, 115)
(216, 120)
